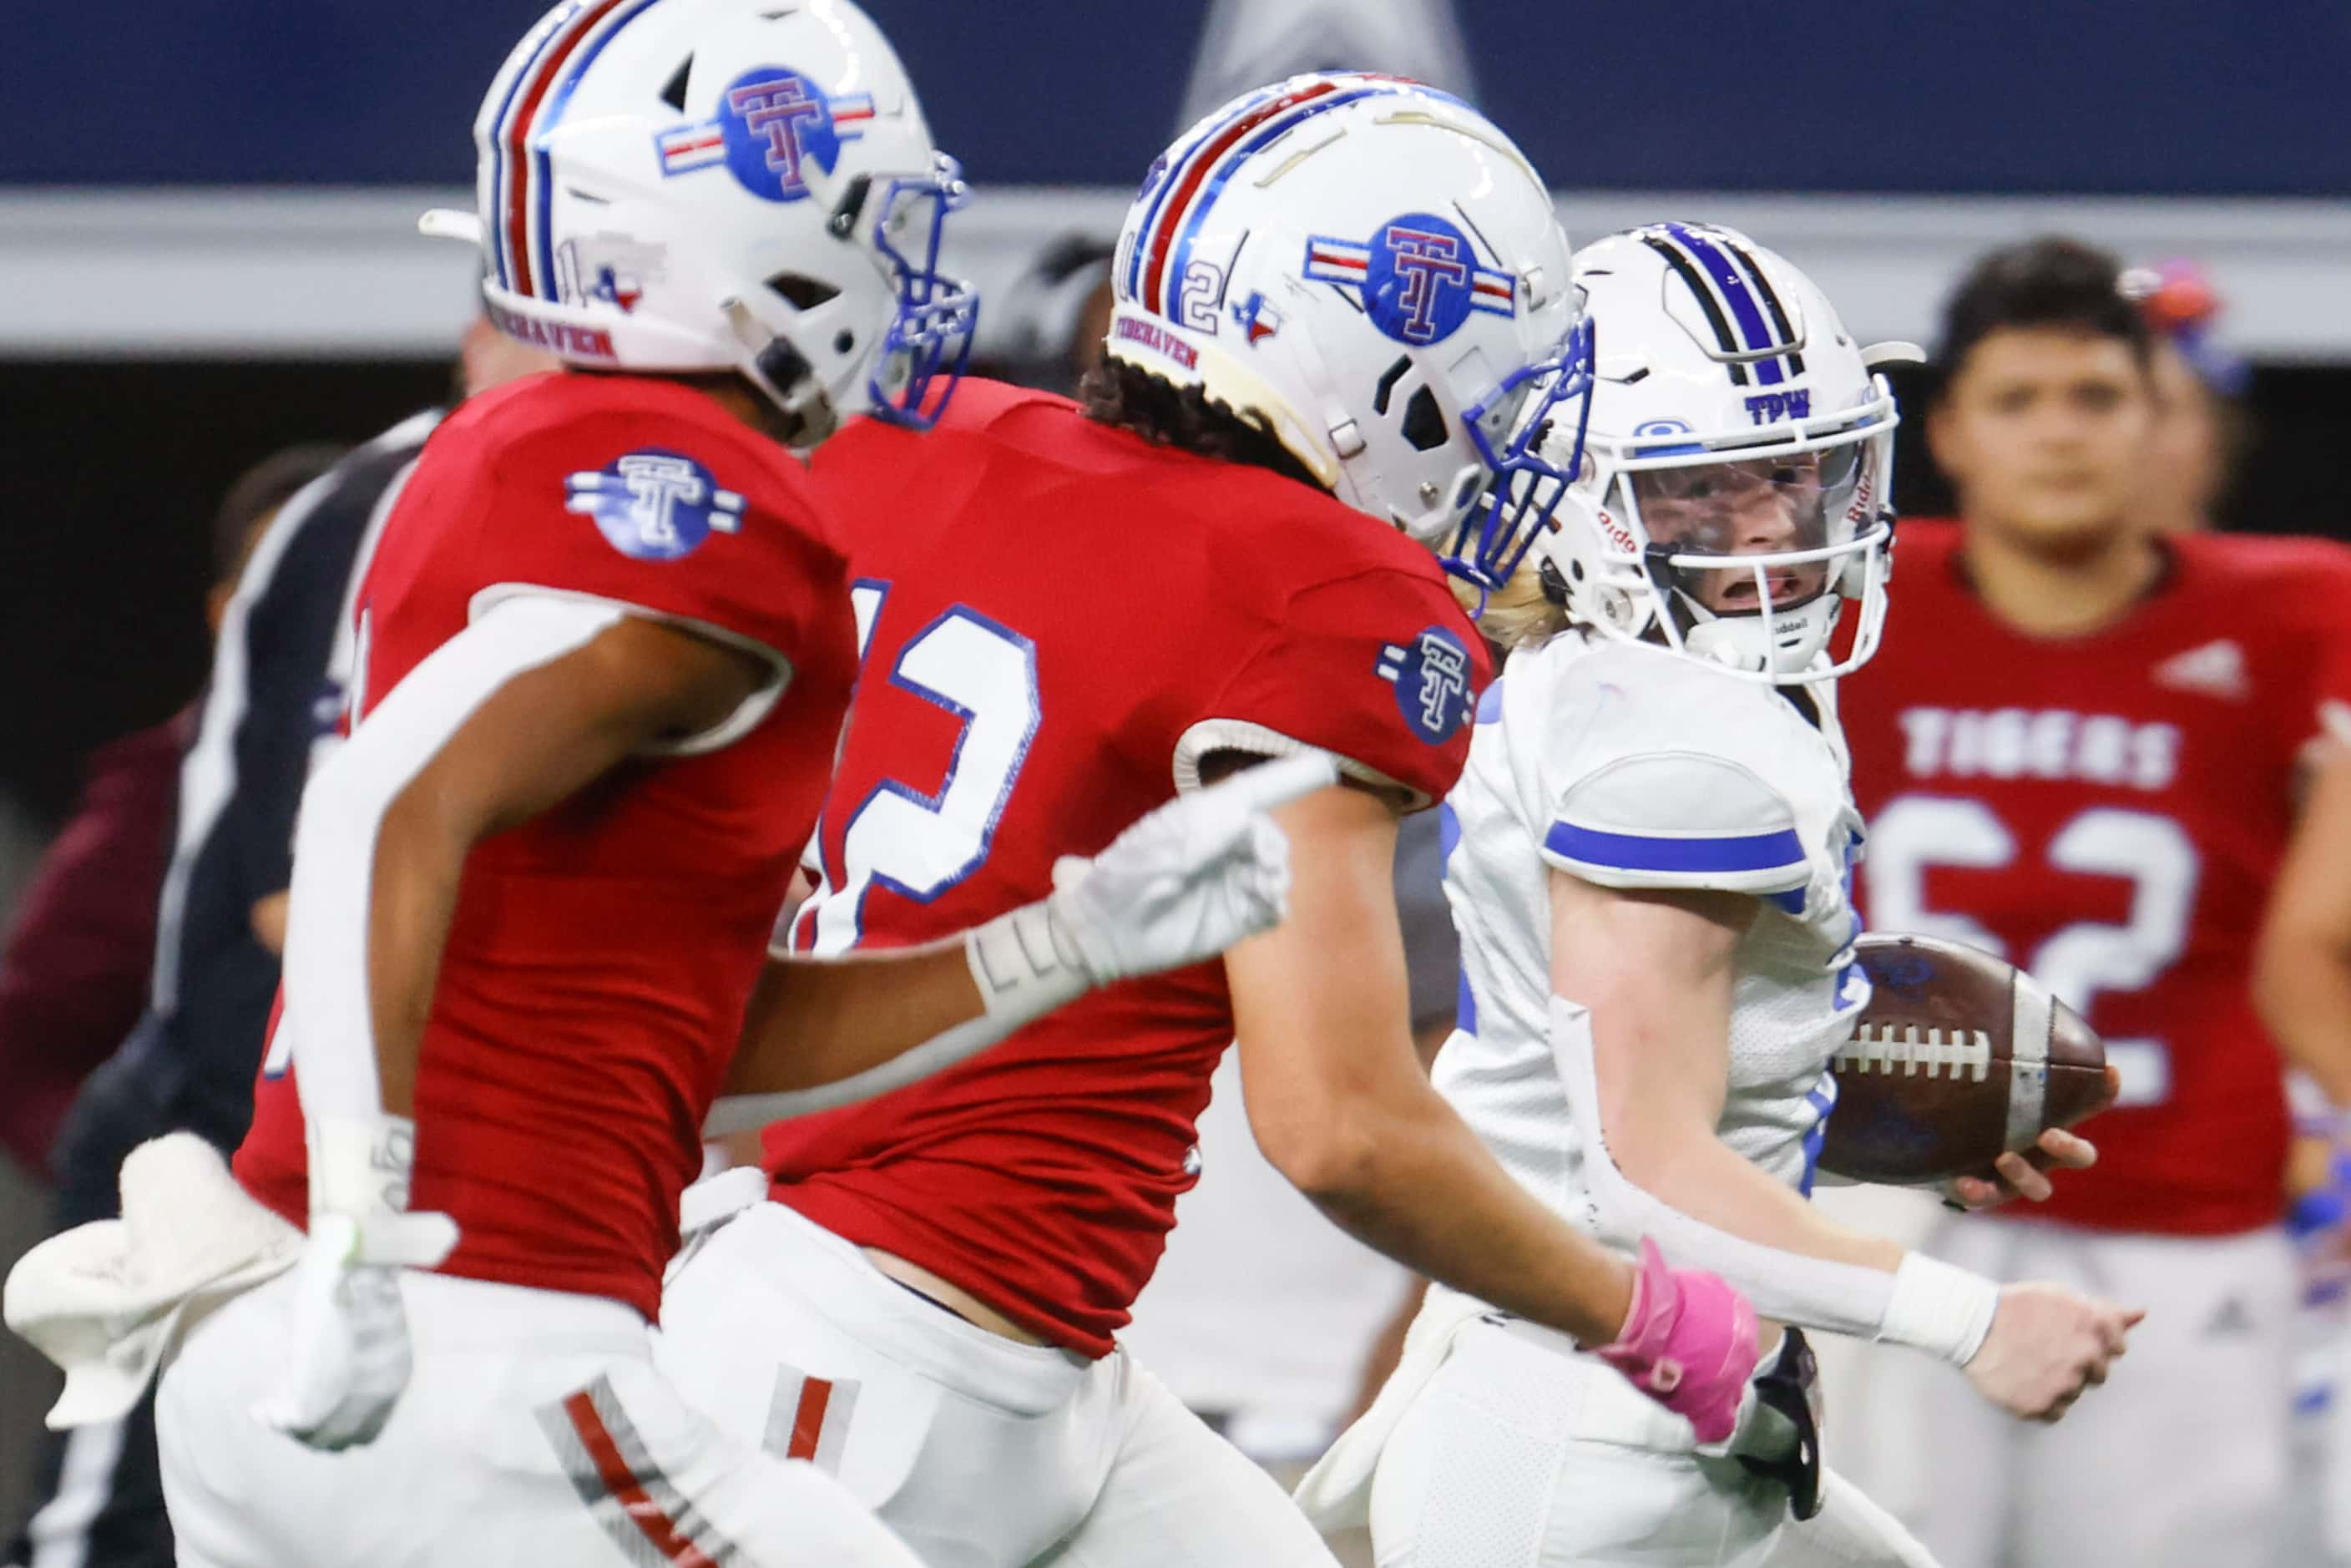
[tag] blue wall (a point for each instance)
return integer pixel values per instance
(2229, 96)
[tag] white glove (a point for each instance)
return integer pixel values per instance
(347, 1355)
(1186, 881)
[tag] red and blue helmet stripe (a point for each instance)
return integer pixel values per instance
(518, 236)
(1196, 173)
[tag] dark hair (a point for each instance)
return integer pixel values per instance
(1127, 397)
(259, 491)
(2052, 281)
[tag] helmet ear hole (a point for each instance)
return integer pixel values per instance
(1424, 422)
(800, 291)
(1388, 379)
(1554, 587)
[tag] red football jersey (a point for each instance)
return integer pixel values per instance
(2108, 811)
(1058, 621)
(601, 955)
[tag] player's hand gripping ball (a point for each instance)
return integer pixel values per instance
(1959, 1059)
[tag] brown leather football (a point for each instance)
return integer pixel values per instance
(1957, 1057)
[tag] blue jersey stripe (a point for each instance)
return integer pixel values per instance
(1823, 1099)
(1781, 850)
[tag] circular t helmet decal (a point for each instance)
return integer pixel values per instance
(1418, 277)
(654, 503)
(774, 123)
(1431, 672)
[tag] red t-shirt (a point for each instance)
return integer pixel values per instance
(1060, 620)
(2108, 811)
(602, 953)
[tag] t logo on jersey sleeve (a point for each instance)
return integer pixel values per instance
(654, 503)
(1431, 675)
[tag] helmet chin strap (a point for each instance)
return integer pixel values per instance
(1717, 639)
(1746, 641)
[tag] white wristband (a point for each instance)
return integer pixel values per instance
(360, 1165)
(1937, 1307)
(1024, 967)
(360, 1169)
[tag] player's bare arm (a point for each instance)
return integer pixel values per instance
(1653, 971)
(814, 1023)
(1682, 995)
(1340, 1106)
(541, 737)
(529, 705)
(2302, 968)
(267, 918)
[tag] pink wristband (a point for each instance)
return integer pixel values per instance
(1689, 1343)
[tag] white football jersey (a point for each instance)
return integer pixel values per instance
(1631, 767)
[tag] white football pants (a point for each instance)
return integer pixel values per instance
(534, 1430)
(1520, 1455)
(979, 1451)
(2180, 1460)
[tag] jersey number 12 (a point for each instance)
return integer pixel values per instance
(916, 842)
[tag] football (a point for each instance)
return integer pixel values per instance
(1957, 1057)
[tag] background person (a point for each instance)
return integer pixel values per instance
(2086, 744)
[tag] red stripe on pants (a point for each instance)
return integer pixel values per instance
(622, 1483)
(808, 1420)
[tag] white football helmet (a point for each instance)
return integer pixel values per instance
(1373, 269)
(1737, 464)
(686, 185)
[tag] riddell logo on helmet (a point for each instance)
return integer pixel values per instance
(1865, 500)
(1157, 339)
(1619, 535)
(577, 343)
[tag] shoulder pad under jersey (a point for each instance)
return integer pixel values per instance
(1658, 774)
